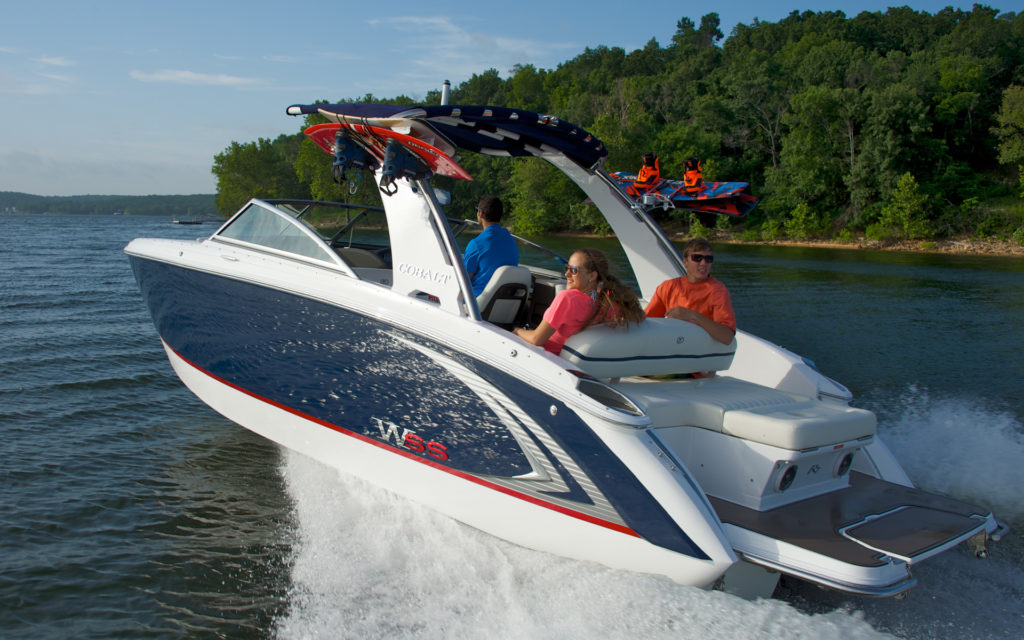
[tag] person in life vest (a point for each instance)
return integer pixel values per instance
(693, 178)
(649, 176)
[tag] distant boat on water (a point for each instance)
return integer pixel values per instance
(193, 221)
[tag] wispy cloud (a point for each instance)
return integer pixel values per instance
(284, 59)
(442, 42)
(56, 61)
(181, 76)
(57, 77)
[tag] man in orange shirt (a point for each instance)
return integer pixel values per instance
(696, 297)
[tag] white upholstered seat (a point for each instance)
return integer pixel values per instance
(505, 298)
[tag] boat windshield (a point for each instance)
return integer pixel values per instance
(265, 227)
(340, 224)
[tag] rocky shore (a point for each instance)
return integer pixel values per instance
(964, 246)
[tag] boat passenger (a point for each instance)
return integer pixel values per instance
(697, 297)
(592, 295)
(494, 247)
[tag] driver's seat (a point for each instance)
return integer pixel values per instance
(504, 300)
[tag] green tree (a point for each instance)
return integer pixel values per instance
(261, 169)
(483, 88)
(907, 210)
(894, 140)
(803, 222)
(541, 197)
(525, 89)
(313, 169)
(758, 98)
(1009, 130)
(815, 153)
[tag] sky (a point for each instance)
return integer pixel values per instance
(136, 97)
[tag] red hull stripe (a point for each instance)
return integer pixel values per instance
(465, 476)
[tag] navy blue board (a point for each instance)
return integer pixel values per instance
(337, 368)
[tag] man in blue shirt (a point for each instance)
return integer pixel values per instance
(493, 248)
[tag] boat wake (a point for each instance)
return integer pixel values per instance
(368, 564)
(965, 449)
(958, 447)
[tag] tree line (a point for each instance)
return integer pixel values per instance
(198, 206)
(895, 124)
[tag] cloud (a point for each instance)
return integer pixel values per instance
(180, 76)
(56, 61)
(57, 77)
(442, 43)
(283, 59)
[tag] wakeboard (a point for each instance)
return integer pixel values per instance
(374, 140)
(721, 198)
(409, 126)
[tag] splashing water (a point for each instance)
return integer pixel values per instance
(958, 447)
(368, 564)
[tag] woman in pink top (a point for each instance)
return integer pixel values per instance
(592, 294)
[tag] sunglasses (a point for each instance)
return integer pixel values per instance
(573, 269)
(700, 257)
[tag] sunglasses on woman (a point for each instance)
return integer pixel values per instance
(573, 269)
(700, 257)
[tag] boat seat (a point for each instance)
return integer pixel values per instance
(504, 300)
(656, 346)
(750, 412)
(360, 258)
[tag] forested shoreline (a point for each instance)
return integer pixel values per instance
(192, 206)
(890, 126)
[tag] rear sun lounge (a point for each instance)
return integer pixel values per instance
(773, 463)
(660, 346)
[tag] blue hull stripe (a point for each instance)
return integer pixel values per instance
(336, 367)
(377, 443)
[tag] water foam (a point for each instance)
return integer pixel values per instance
(959, 447)
(368, 564)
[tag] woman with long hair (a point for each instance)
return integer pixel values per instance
(592, 295)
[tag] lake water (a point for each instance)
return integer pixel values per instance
(130, 509)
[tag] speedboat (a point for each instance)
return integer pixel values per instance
(351, 334)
